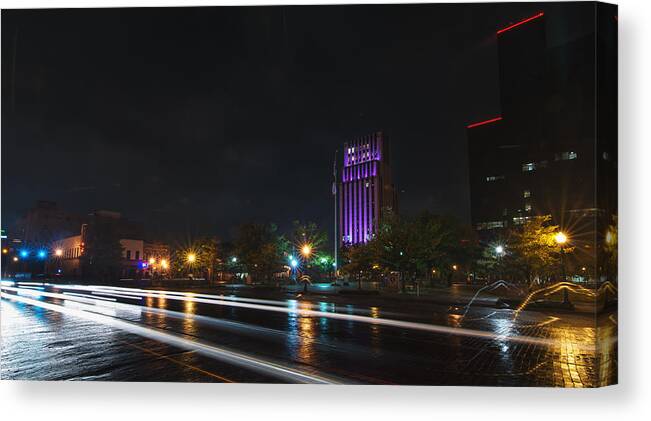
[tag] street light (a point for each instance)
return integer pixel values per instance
(191, 257)
(5, 251)
(306, 250)
(499, 251)
(15, 259)
(561, 239)
(152, 260)
(163, 263)
(234, 259)
(58, 252)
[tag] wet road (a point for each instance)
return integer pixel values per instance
(57, 332)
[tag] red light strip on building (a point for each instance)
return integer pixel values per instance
(481, 123)
(520, 23)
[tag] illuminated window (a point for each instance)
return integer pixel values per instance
(529, 166)
(566, 156)
(519, 220)
(527, 207)
(526, 193)
(490, 225)
(494, 178)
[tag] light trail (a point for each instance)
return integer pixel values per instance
(95, 293)
(253, 363)
(137, 292)
(89, 296)
(355, 318)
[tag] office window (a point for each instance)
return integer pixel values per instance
(526, 193)
(527, 207)
(566, 156)
(490, 225)
(529, 166)
(494, 178)
(519, 220)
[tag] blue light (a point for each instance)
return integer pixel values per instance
(42, 254)
(293, 263)
(24, 253)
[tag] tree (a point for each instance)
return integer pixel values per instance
(443, 243)
(393, 246)
(258, 248)
(202, 257)
(309, 234)
(359, 261)
(536, 252)
(208, 256)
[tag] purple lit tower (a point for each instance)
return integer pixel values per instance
(366, 188)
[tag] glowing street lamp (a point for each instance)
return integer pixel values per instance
(163, 263)
(152, 260)
(561, 239)
(499, 250)
(58, 252)
(15, 259)
(191, 257)
(5, 251)
(306, 250)
(234, 259)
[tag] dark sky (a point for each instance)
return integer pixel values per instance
(197, 119)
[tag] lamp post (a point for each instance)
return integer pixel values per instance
(561, 239)
(499, 252)
(293, 263)
(306, 251)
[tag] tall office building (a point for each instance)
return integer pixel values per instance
(553, 148)
(366, 188)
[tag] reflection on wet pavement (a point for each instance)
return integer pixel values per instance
(40, 343)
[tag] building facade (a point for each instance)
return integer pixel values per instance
(134, 262)
(366, 188)
(46, 222)
(553, 148)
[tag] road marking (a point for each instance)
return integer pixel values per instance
(181, 363)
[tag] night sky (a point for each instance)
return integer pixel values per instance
(193, 120)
